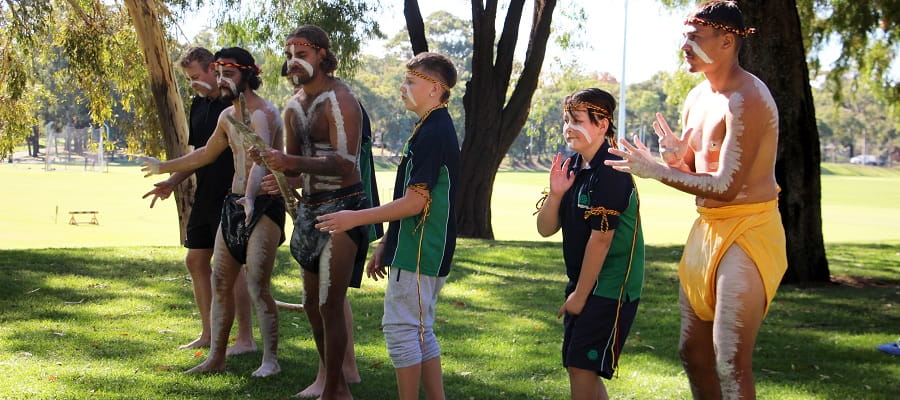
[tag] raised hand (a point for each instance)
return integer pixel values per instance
(671, 147)
(560, 178)
(149, 165)
(161, 190)
(636, 159)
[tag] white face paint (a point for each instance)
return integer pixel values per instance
(222, 79)
(197, 85)
(580, 129)
(698, 51)
(412, 100)
(301, 62)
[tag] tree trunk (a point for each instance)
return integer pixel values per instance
(776, 56)
(415, 26)
(146, 18)
(492, 122)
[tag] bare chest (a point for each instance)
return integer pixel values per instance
(706, 120)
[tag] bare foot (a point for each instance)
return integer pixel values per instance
(314, 390)
(267, 369)
(351, 374)
(209, 365)
(197, 343)
(241, 347)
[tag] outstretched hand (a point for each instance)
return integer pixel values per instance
(336, 222)
(149, 165)
(636, 159)
(161, 190)
(671, 146)
(560, 177)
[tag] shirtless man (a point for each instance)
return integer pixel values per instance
(238, 242)
(213, 183)
(323, 123)
(735, 255)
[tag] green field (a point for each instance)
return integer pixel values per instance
(104, 321)
(859, 205)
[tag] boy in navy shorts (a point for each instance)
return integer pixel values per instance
(597, 208)
(421, 237)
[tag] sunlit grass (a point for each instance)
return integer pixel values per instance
(106, 323)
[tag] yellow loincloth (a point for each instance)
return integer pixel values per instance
(755, 227)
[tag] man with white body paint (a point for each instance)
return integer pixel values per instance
(251, 240)
(735, 255)
(323, 123)
(213, 183)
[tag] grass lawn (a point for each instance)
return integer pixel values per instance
(105, 322)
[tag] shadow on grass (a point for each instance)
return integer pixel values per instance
(130, 308)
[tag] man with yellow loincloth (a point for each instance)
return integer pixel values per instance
(735, 255)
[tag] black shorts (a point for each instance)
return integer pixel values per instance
(203, 223)
(593, 340)
(236, 233)
(307, 242)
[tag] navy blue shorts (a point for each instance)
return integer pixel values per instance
(593, 340)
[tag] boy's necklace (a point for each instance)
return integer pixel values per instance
(419, 125)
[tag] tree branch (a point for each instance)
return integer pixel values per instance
(415, 26)
(515, 112)
(78, 10)
(506, 46)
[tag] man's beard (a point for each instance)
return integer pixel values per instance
(297, 78)
(227, 96)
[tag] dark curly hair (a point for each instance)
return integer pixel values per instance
(316, 36)
(242, 57)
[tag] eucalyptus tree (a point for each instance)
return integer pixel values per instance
(126, 47)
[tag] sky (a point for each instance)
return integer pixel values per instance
(654, 34)
(653, 37)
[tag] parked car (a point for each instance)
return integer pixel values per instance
(866, 159)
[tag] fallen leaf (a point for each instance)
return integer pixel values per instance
(465, 373)
(95, 344)
(163, 367)
(231, 339)
(123, 334)
(376, 364)
(51, 378)
(459, 304)
(198, 353)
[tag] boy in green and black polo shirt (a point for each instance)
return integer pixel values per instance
(421, 237)
(597, 208)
